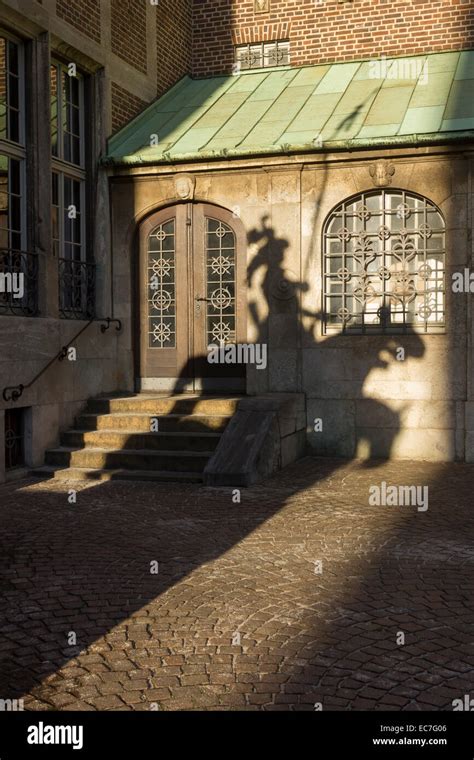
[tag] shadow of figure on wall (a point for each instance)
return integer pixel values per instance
(276, 314)
(270, 257)
(280, 292)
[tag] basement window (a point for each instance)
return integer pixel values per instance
(262, 55)
(14, 438)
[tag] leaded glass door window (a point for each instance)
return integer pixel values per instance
(384, 264)
(220, 268)
(162, 286)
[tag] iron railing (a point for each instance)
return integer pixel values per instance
(14, 438)
(18, 282)
(76, 289)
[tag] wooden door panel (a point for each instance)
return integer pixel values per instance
(163, 291)
(219, 277)
(192, 293)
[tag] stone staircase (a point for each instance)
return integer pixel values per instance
(113, 439)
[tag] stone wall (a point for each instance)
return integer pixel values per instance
(26, 346)
(369, 403)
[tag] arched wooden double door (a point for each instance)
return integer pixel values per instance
(192, 295)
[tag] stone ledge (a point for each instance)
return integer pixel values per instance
(265, 434)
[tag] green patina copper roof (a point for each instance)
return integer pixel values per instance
(343, 105)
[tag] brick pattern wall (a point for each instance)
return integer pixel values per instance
(83, 15)
(174, 42)
(330, 30)
(128, 32)
(246, 34)
(125, 106)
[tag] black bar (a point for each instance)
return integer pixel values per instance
(318, 734)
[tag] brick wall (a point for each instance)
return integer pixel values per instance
(174, 41)
(83, 15)
(125, 106)
(128, 32)
(330, 31)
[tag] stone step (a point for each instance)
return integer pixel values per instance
(82, 473)
(155, 405)
(132, 440)
(113, 438)
(141, 422)
(138, 459)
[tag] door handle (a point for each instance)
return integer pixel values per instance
(197, 306)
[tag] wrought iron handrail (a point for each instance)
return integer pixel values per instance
(14, 392)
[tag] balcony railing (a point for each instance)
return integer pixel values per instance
(18, 282)
(76, 289)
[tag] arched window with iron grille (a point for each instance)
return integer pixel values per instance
(384, 264)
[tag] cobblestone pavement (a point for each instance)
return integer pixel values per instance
(239, 615)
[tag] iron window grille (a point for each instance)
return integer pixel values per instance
(162, 286)
(384, 264)
(14, 438)
(262, 55)
(220, 265)
(76, 289)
